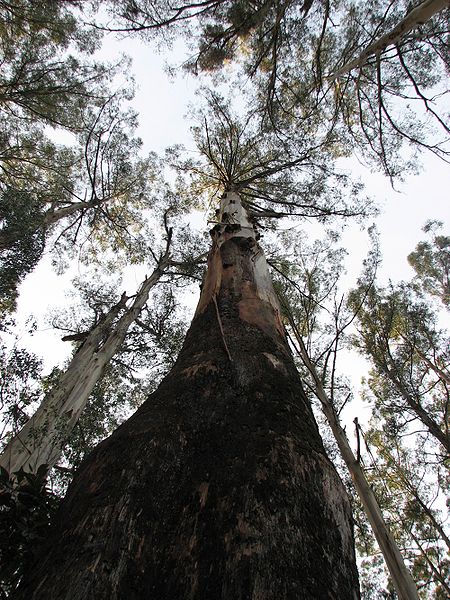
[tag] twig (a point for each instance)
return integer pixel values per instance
(219, 320)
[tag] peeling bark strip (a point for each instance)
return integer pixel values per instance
(43, 437)
(218, 487)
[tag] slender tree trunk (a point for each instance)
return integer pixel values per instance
(218, 487)
(43, 437)
(401, 577)
(443, 376)
(9, 237)
(433, 568)
(417, 408)
(417, 16)
(53, 216)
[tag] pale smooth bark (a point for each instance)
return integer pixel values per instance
(43, 437)
(53, 216)
(235, 222)
(401, 577)
(419, 15)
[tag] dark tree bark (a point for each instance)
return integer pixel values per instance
(218, 487)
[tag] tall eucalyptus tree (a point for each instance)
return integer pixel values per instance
(408, 387)
(219, 485)
(410, 360)
(215, 471)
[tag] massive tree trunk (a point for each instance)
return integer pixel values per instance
(218, 487)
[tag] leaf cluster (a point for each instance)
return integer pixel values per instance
(26, 507)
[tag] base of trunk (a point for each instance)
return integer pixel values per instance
(217, 488)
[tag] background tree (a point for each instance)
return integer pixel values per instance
(145, 355)
(431, 262)
(101, 194)
(398, 335)
(43, 436)
(44, 88)
(410, 488)
(48, 86)
(407, 438)
(401, 484)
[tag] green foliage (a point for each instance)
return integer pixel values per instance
(20, 389)
(41, 85)
(410, 495)
(274, 177)
(398, 333)
(156, 337)
(21, 242)
(46, 85)
(26, 507)
(431, 262)
(92, 195)
(296, 53)
(40, 81)
(407, 442)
